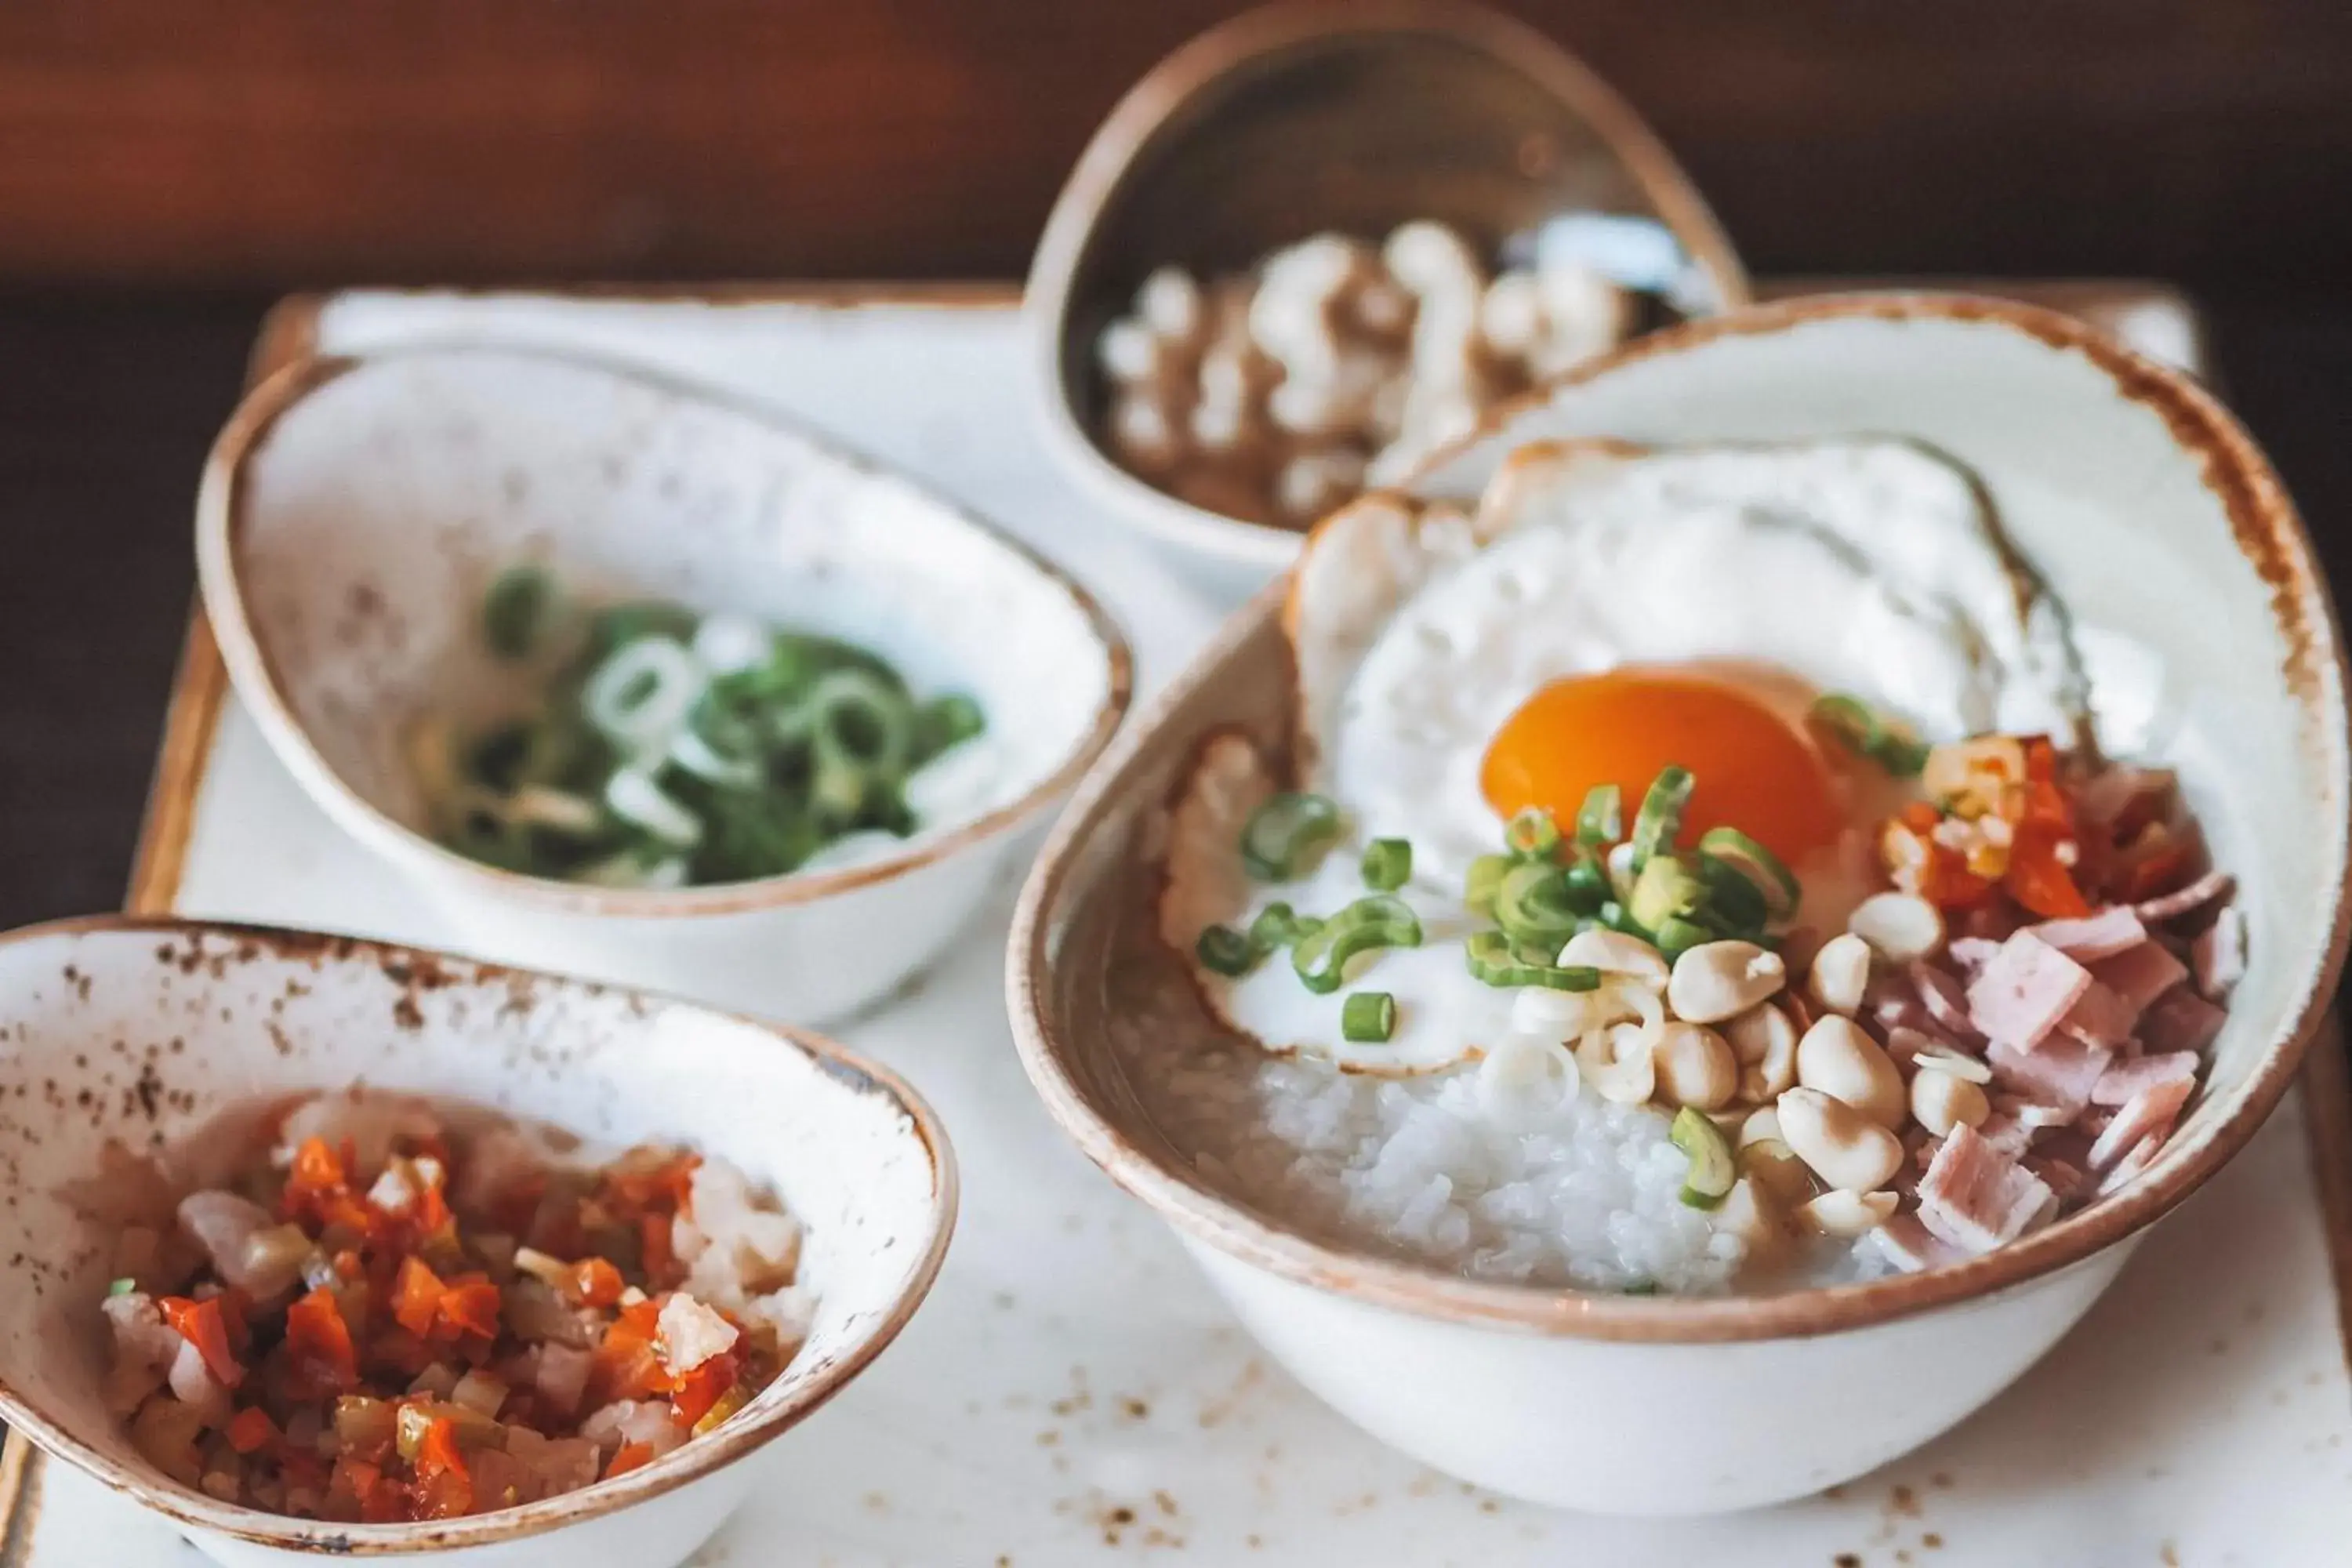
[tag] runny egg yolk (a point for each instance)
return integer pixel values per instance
(1754, 770)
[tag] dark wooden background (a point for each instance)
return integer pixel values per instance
(166, 165)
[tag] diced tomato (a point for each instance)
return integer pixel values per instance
(319, 1342)
(358, 1489)
(2154, 862)
(316, 1169)
(654, 1250)
(444, 1487)
(2039, 879)
(703, 1387)
(626, 1365)
(1920, 818)
(251, 1429)
(1946, 881)
(594, 1282)
(348, 1265)
(468, 1306)
(431, 1209)
(235, 1304)
(416, 1295)
(631, 1456)
(200, 1323)
(667, 1185)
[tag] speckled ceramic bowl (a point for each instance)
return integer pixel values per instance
(354, 511)
(141, 1032)
(1346, 115)
(2150, 512)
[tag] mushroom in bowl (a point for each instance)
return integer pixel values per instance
(286, 1361)
(1470, 1173)
(637, 682)
(1230, 337)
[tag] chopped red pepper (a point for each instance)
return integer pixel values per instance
(625, 1366)
(319, 1342)
(444, 1487)
(594, 1282)
(416, 1296)
(703, 1387)
(200, 1323)
(631, 1456)
(251, 1429)
(654, 1249)
(469, 1305)
(2038, 878)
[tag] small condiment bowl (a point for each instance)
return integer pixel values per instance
(1299, 119)
(354, 511)
(2150, 512)
(145, 1033)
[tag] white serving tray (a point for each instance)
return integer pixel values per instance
(1073, 1395)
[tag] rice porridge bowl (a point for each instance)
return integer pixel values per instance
(1694, 870)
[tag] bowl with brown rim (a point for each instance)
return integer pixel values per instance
(1312, 117)
(2149, 510)
(130, 1036)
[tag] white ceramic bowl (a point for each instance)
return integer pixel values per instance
(2151, 513)
(1295, 119)
(142, 1031)
(354, 511)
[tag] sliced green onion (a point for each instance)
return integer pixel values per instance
(1368, 1018)
(1320, 958)
(1601, 820)
(1863, 732)
(1734, 905)
(556, 810)
(1759, 865)
(1221, 949)
(1287, 835)
(705, 761)
(1675, 936)
(868, 719)
(516, 611)
(946, 721)
(731, 644)
(1277, 926)
(1482, 881)
(1532, 904)
(634, 797)
(1712, 1169)
(640, 695)
(1587, 886)
(1493, 960)
(1388, 864)
(122, 1287)
(1661, 816)
(1667, 888)
(1532, 834)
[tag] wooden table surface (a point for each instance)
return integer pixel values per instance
(108, 402)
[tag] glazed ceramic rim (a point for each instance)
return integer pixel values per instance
(690, 1461)
(220, 512)
(1254, 38)
(2267, 531)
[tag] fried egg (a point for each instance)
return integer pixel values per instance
(1604, 613)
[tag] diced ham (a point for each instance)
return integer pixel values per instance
(2005, 1132)
(2063, 1177)
(2131, 1164)
(1945, 998)
(2148, 1114)
(2181, 1020)
(2101, 935)
(1971, 953)
(2060, 1074)
(2139, 976)
(2021, 995)
(2216, 958)
(1975, 1197)
(1912, 1246)
(2208, 888)
(2125, 1079)
(2120, 799)
(2100, 1018)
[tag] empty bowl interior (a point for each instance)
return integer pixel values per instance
(2148, 510)
(1276, 129)
(142, 1037)
(361, 526)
